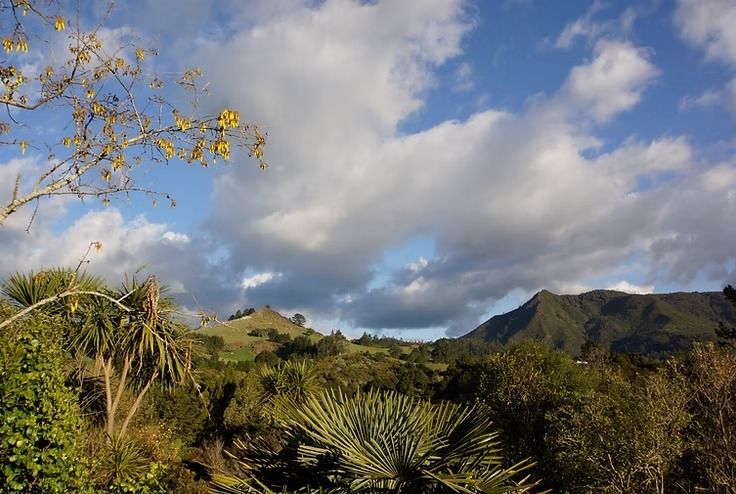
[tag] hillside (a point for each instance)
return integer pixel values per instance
(240, 345)
(655, 324)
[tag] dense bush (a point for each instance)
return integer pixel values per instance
(40, 424)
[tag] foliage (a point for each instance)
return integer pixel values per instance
(133, 345)
(40, 424)
(241, 313)
(148, 461)
(182, 409)
(728, 333)
(448, 350)
(111, 103)
(244, 413)
(460, 380)
(298, 319)
(211, 344)
(419, 355)
(122, 467)
(658, 325)
(334, 344)
(145, 341)
(218, 387)
(711, 455)
(276, 337)
(378, 341)
(625, 441)
(520, 387)
(301, 346)
(382, 442)
(26, 290)
(292, 382)
(267, 357)
(395, 350)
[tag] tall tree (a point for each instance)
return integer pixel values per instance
(110, 101)
(135, 348)
(299, 319)
(728, 333)
(131, 334)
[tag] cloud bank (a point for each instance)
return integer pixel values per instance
(511, 199)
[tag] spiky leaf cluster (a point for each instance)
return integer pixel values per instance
(380, 442)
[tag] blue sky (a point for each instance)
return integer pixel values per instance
(432, 163)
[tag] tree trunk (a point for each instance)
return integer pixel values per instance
(107, 374)
(137, 404)
(121, 387)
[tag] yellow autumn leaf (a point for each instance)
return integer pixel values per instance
(59, 24)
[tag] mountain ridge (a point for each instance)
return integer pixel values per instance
(655, 324)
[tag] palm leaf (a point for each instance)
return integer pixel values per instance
(389, 442)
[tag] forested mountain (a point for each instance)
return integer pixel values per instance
(655, 324)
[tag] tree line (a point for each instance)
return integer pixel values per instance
(111, 393)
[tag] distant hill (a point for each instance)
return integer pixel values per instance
(241, 345)
(655, 324)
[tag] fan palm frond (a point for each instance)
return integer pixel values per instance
(389, 442)
(27, 289)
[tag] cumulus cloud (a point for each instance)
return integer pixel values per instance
(583, 27)
(588, 28)
(709, 98)
(708, 24)
(258, 279)
(625, 286)
(513, 200)
(132, 247)
(176, 238)
(613, 81)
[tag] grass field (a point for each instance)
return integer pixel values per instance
(241, 346)
(239, 355)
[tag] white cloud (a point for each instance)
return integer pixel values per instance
(588, 28)
(709, 24)
(625, 286)
(176, 238)
(258, 279)
(21, 171)
(709, 98)
(134, 247)
(417, 285)
(513, 201)
(613, 81)
(584, 27)
(463, 77)
(418, 265)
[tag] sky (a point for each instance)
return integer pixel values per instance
(433, 162)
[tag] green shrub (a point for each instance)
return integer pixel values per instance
(39, 416)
